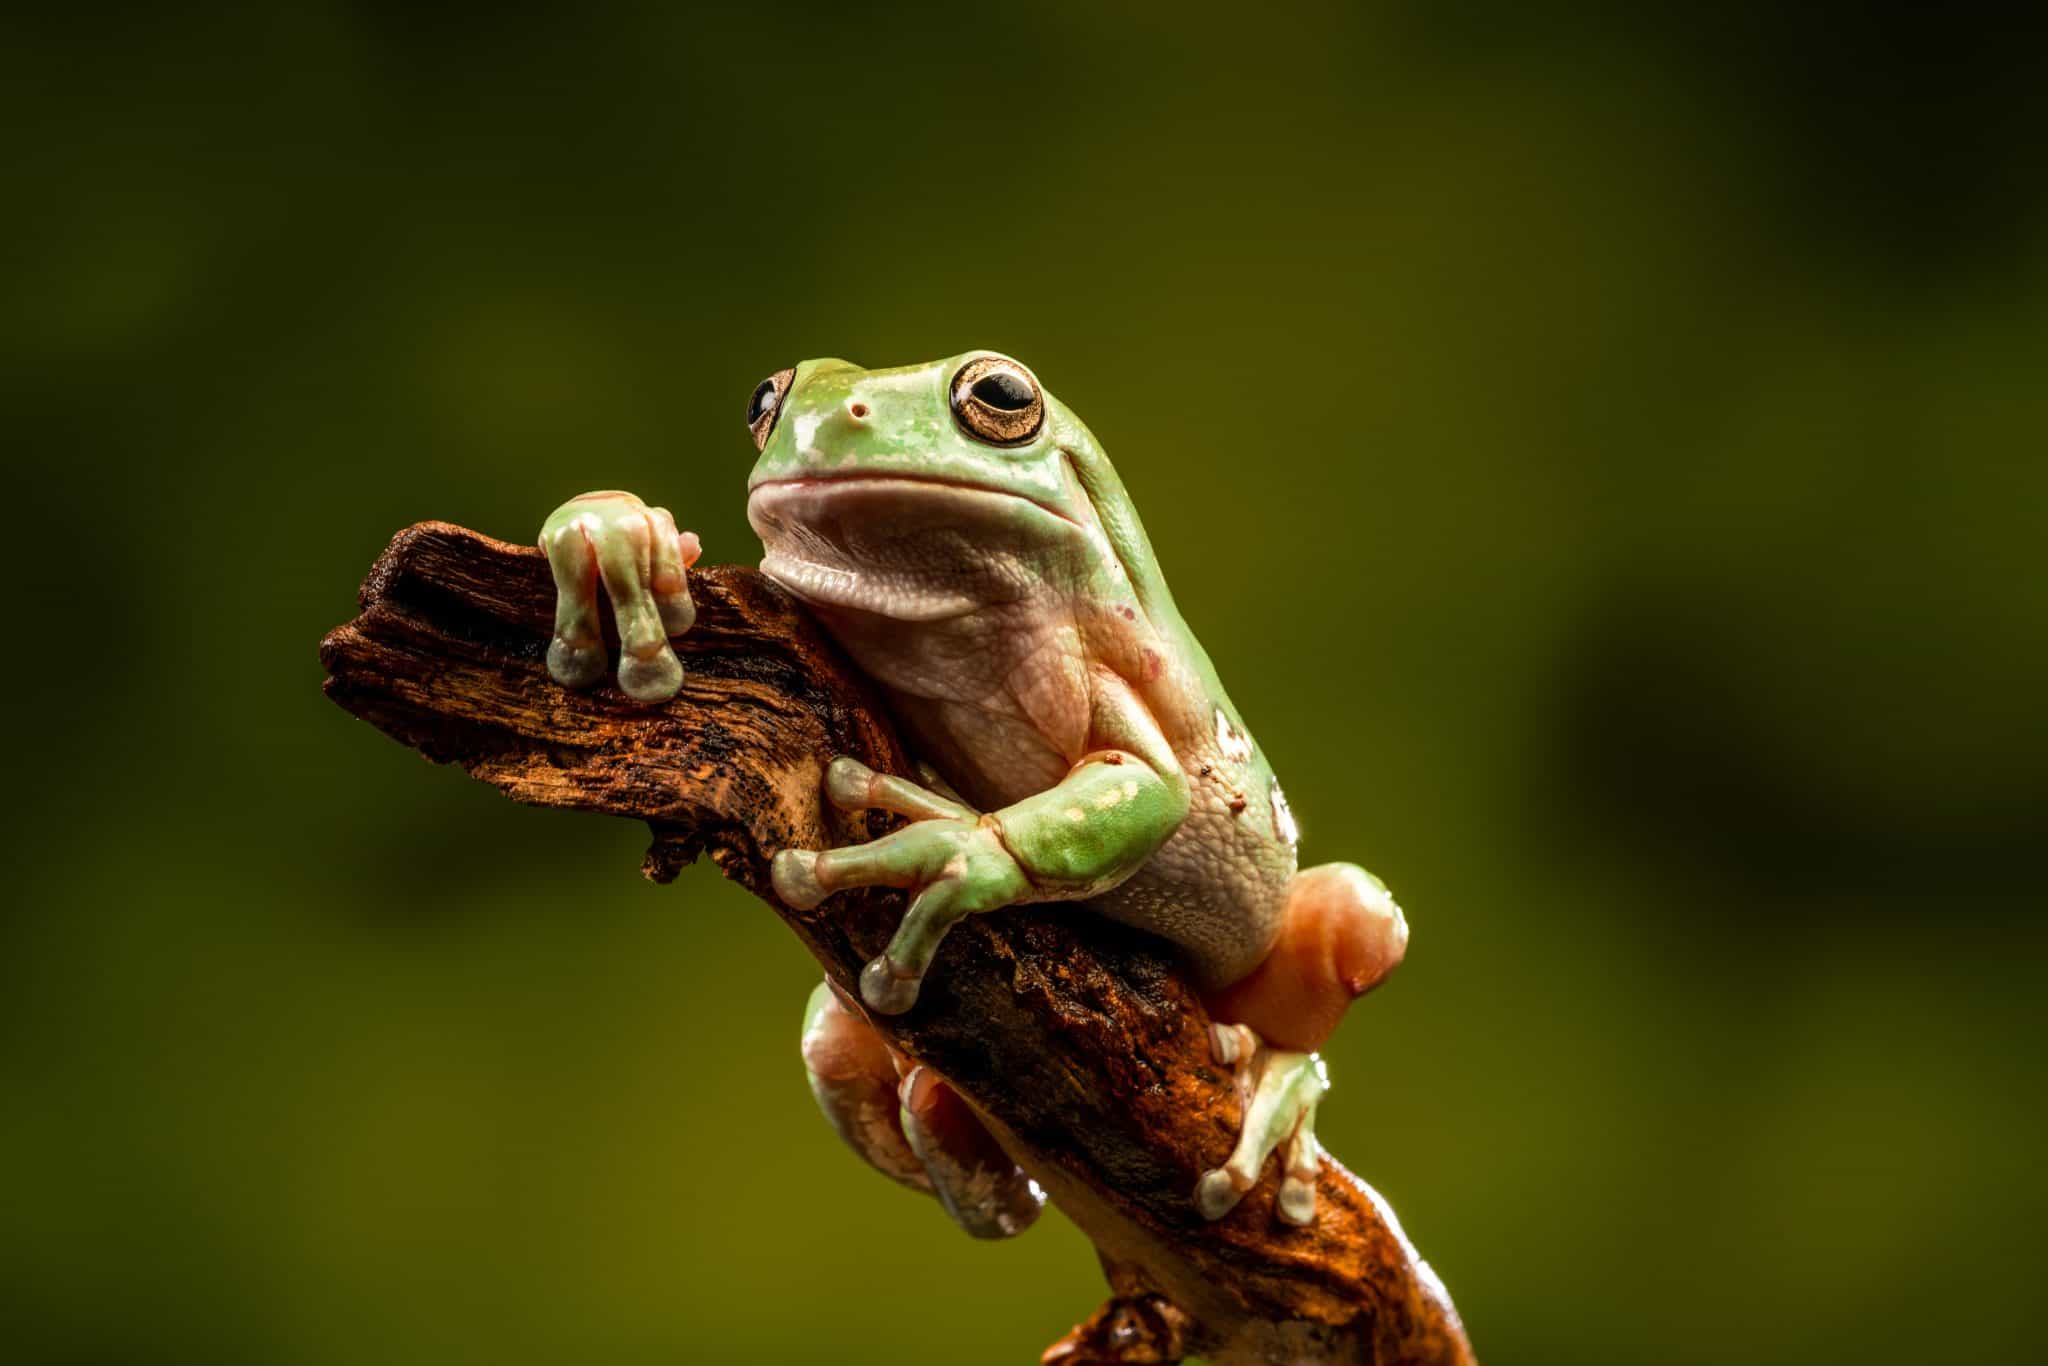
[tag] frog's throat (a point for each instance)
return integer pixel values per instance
(831, 587)
(912, 550)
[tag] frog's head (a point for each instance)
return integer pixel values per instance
(921, 492)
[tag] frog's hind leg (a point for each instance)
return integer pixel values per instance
(908, 1124)
(1280, 1090)
(1340, 935)
(854, 1077)
(979, 1184)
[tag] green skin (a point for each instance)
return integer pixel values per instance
(1006, 600)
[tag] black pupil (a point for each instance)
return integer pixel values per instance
(1003, 389)
(762, 403)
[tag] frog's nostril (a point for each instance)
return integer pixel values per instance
(857, 410)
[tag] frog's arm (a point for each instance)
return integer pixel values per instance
(1116, 806)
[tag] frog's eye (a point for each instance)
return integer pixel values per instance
(766, 405)
(996, 400)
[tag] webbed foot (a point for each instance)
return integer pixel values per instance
(1280, 1091)
(910, 1124)
(949, 856)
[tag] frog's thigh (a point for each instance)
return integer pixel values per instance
(1341, 934)
(854, 1077)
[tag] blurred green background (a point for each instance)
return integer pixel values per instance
(1603, 452)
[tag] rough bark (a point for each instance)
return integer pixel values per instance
(1076, 1039)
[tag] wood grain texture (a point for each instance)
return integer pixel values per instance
(1077, 1040)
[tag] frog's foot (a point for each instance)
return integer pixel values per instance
(641, 559)
(950, 856)
(1280, 1090)
(979, 1184)
(854, 1077)
(908, 1124)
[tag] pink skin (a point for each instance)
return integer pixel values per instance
(911, 1126)
(855, 1077)
(1341, 936)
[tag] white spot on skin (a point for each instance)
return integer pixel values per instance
(807, 435)
(1076, 814)
(1283, 818)
(1235, 744)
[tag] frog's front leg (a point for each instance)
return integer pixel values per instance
(951, 854)
(642, 560)
(1077, 839)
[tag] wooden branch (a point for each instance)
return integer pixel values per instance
(1076, 1039)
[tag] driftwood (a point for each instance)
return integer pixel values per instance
(1075, 1039)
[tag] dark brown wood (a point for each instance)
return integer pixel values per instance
(1077, 1040)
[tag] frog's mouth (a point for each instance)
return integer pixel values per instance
(906, 547)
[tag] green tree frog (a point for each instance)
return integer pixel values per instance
(963, 537)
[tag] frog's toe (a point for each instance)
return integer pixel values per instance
(794, 873)
(653, 677)
(1304, 1161)
(932, 780)
(576, 665)
(671, 553)
(1218, 1192)
(1298, 1201)
(846, 783)
(888, 986)
(851, 785)
(979, 1184)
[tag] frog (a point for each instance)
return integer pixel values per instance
(963, 538)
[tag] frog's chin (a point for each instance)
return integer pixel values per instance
(907, 549)
(834, 588)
